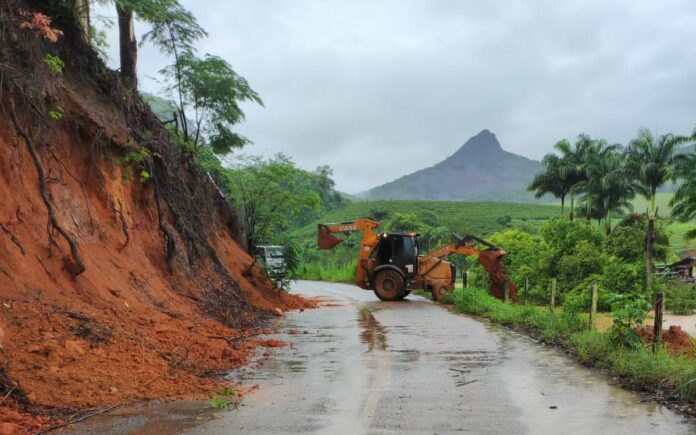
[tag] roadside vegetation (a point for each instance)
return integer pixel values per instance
(618, 351)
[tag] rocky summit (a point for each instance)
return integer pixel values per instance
(480, 170)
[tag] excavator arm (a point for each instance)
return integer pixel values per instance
(326, 239)
(488, 258)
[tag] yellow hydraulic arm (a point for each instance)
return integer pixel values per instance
(326, 239)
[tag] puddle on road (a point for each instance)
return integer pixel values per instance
(373, 334)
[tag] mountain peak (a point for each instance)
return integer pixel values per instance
(479, 170)
(483, 142)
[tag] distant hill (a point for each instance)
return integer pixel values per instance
(479, 171)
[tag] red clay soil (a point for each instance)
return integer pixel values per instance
(127, 329)
(677, 341)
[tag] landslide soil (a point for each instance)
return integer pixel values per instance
(133, 326)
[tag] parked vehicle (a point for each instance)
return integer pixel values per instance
(272, 257)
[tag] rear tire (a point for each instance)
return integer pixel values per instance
(389, 285)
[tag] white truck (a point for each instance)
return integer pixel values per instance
(272, 257)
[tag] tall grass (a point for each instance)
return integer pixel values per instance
(638, 368)
(330, 272)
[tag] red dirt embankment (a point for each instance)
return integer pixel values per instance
(128, 328)
(676, 340)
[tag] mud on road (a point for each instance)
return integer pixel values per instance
(367, 366)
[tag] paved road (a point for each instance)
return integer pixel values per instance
(407, 367)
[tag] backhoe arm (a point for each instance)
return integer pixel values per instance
(488, 258)
(326, 239)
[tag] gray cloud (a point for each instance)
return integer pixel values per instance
(379, 89)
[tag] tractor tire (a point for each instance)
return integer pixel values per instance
(439, 290)
(389, 285)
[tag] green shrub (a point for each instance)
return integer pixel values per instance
(54, 63)
(680, 298)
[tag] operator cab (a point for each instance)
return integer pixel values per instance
(399, 250)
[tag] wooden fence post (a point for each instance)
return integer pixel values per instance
(657, 326)
(506, 290)
(553, 293)
(526, 289)
(593, 306)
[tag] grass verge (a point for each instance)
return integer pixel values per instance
(667, 378)
(330, 273)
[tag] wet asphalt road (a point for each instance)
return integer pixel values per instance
(406, 367)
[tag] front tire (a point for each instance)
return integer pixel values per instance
(389, 285)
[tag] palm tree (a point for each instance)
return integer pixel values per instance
(550, 180)
(592, 152)
(684, 201)
(614, 190)
(561, 173)
(605, 188)
(650, 161)
(573, 161)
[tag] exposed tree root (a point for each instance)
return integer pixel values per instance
(13, 238)
(124, 225)
(53, 223)
(171, 244)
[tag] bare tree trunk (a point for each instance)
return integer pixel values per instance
(649, 251)
(128, 47)
(81, 8)
(572, 207)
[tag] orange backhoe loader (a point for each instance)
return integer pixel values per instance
(390, 264)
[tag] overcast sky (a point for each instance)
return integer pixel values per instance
(378, 89)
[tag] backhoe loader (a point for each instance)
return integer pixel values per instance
(390, 264)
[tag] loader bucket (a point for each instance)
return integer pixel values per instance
(325, 239)
(490, 260)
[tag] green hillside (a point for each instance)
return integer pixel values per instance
(480, 218)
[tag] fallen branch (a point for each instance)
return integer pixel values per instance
(52, 219)
(230, 340)
(83, 418)
(7, 395)
(13, 238)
